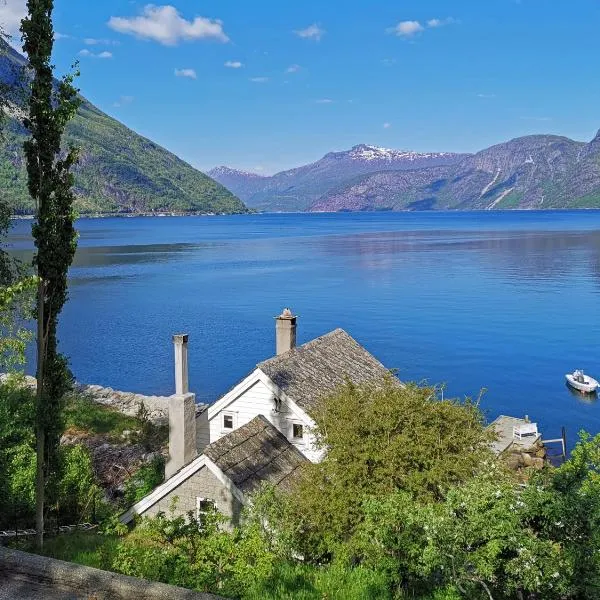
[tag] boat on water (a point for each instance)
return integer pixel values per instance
(582, 382)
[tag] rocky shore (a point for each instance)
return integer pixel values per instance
(128, 403)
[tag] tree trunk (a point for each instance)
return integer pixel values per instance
(40, 480)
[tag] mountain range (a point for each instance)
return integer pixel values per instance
(119, 171)
(301, 188)
(531, 172)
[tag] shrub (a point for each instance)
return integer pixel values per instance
(144, 480)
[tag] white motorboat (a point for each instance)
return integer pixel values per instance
(582, 382)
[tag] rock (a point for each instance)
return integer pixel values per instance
(527, 459)
(513, 461)
(541, 453)
(538, 463)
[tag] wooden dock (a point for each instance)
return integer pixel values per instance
(503, 426)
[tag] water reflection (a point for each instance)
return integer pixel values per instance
(530, 256)
(581, 396)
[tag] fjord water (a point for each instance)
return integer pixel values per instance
(506, 301)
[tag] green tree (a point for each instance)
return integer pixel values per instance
(380, 439)
(564, 506)
(50, 183)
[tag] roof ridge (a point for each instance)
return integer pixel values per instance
(308, 345)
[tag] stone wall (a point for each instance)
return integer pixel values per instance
(202, 484)
(30, 576)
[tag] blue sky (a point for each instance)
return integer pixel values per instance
(316, 76)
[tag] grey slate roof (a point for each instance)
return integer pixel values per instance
(254, 453)
(320, 366)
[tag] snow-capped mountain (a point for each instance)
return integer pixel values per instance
(370, 153)
(298, 189)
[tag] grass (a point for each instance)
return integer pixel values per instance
(82, 414)
(306, 582)
(87, 548)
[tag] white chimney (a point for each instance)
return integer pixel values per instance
(180, 343)
(285, 331)
(182, 413)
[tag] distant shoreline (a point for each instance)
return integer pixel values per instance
(338, 212)
(133, 215)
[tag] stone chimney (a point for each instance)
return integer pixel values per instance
(182, 413)
(285, 331)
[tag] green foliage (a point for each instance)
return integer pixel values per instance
(16, 302)
(78, 492)
(82, 547)
(144, 480)
(379, 440)
(50, 185)
(197, 554)
(83, 414)
(309, 582)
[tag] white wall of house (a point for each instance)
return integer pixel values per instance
(254, 397)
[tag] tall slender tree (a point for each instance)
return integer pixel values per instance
(51, 105)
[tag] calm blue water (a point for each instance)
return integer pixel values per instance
(508, 302)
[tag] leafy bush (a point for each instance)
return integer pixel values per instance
(181, 550)
(144, 480)
(77, 493)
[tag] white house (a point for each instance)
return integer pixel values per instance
(259, 431)
(285, 388)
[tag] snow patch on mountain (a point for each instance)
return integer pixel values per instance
(369, 153)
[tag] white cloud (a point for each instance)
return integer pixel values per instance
(234, 64)
(123, 101)
(387, 125)
(325, 101)
(388, 62)
(259, 79)
(486, 95)
(407, 28)
(293, 69)
(165, 25)
(61, 36)
(100, 42)
(11, 13)
(312, 32)
(190, 73)
(433, 23)
(87, 53)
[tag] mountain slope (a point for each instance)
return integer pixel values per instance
(297, 189)
(242, 183)
(540, 171)
(119, 170)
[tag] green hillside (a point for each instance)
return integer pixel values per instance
(119, 170)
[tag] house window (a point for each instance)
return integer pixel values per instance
(204, 506)
(228, 422)
(297, 431)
